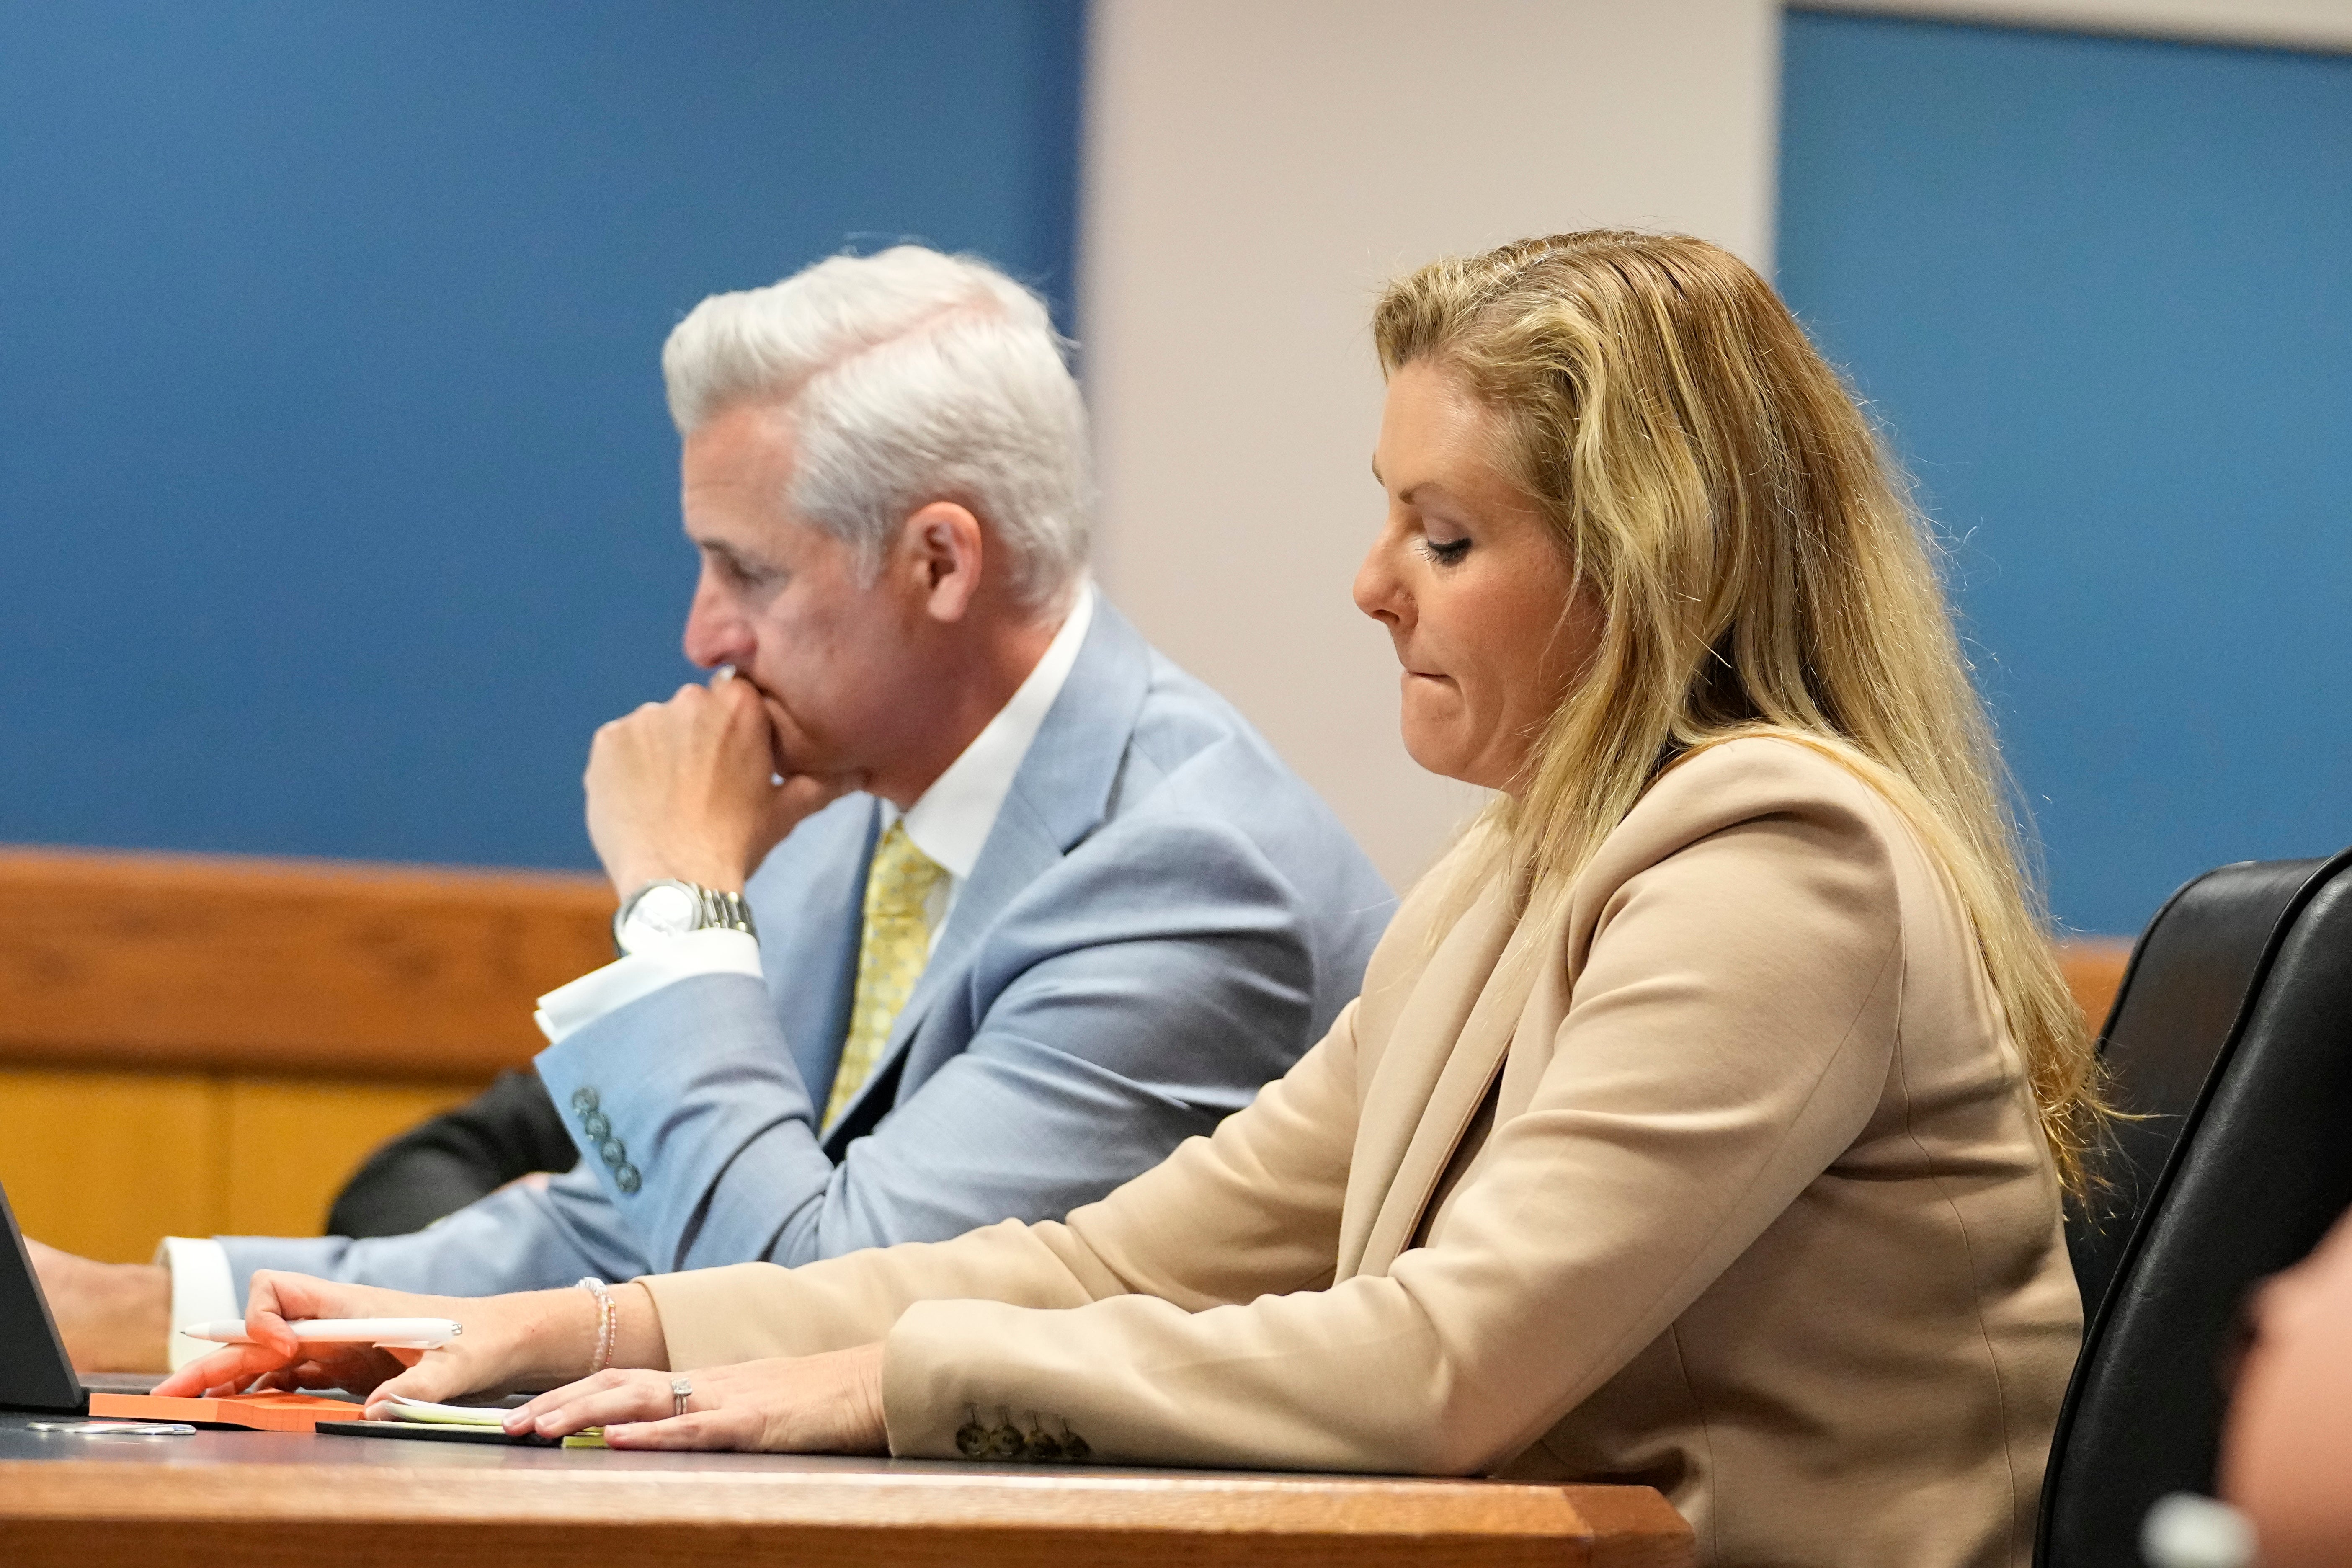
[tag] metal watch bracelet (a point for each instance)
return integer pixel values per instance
(714, 910)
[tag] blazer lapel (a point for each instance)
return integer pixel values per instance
(809, 900)
(1433, 1052)
(1059, 796)
(1470, 1071)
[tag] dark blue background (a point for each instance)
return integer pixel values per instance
(2102, 290)
(337, 501)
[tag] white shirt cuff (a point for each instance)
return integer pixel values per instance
(204, 1291)
(640, 974)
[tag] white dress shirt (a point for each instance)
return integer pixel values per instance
(951, 823)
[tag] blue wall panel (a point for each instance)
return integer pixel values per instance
(2102, 292)
(338, 503)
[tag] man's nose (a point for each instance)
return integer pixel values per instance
(714, 634)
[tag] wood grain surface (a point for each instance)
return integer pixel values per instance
(90, 1514)
(104, 1161)
(181, 961)
(258, 965)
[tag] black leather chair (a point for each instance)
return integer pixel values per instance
(2231, 1036)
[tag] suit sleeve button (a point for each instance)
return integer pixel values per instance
(971, 1440)
(1006, 1442)
(583, 1099)
(595, 1125)
(627, 1178)
(614, 1152)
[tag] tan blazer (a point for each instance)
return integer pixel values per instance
(1717, 1171)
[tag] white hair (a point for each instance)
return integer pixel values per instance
(910, 377)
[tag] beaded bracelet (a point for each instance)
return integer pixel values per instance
(605, 1323)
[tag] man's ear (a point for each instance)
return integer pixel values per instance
(943, 552)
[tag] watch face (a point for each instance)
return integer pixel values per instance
(665, 908)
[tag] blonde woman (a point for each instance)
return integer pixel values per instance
(1703, 1119)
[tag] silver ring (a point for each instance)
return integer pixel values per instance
(681, 1390)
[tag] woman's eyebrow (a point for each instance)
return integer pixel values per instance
(1432, 489)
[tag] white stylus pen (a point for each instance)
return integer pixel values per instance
(388, 1333)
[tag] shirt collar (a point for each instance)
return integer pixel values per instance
(952, 820)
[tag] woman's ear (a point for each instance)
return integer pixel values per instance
(944, 552)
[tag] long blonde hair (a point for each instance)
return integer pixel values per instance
(1760, 568)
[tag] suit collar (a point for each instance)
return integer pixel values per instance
(1061, 793)
(1064, 788)
(952, 821)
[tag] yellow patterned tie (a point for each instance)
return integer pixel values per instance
(892, 953)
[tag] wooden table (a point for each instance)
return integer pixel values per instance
(260, 1500)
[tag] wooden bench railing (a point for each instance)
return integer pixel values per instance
(220, 961)
(193, 1044)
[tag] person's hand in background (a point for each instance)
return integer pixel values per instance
(113, 1316)
(2290, 1422)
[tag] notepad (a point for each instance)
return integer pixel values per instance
(423, 1411)
(404, 1408)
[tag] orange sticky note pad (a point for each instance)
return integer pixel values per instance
(262, 1412)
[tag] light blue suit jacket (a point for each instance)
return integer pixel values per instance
(1163, 918)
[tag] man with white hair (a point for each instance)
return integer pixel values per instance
(1039, 904)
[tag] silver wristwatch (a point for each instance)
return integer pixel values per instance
(661, 910)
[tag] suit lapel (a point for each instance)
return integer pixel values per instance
(809, 900)
(1059, 796)
(1419, 1107)
(1424, 1043)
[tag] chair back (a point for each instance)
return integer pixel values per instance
(2231, 1036)
(2188, 982)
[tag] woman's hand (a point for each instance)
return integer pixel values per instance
(829, 1404)
(277, 1360)
(507, 1340)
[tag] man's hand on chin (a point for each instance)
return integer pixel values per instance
(114, 1317)
(687, 789)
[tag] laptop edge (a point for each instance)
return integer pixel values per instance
(35, 1373)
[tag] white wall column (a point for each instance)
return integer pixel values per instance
(1254, 170)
